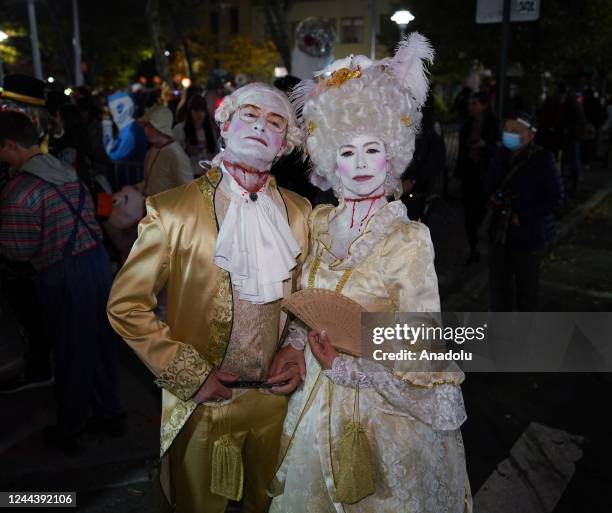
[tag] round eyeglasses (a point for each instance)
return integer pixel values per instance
(274, 122)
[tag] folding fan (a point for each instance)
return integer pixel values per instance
(338, 315)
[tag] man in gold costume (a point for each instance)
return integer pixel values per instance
(228, 247)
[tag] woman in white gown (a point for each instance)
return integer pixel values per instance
(362, 117)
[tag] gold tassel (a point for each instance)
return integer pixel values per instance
(227, 469)
(355, 478)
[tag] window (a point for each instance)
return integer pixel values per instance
(351, 30)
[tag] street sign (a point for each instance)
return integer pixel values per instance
(491, 11)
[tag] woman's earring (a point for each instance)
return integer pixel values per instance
(221, 144)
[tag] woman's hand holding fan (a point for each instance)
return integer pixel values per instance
(326, 310)
(322, 348)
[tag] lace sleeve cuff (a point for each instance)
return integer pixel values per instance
(440, 405)
(346, 372)
(185, 374)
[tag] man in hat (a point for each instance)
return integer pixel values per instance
(524, 189)
(228, 247)
(25, 94)
(47, 218)
(166, 163)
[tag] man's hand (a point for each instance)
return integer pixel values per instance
(322, 348)
(287, 381)
(287, 366)
(213, 388)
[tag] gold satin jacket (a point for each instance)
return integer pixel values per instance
(175, 248)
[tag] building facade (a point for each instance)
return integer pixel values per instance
(352, 20)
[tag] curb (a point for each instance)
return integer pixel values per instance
(565, 227)
(568, 223)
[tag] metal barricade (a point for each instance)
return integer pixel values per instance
(126, 173)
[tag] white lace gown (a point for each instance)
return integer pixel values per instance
(412, 420)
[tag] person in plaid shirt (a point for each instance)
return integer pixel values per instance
(47, 218)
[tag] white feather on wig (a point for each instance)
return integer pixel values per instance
(408, 65)
(383, 99)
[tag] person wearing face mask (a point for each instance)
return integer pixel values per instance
(228, 247)
(362, 118)
(524, 190)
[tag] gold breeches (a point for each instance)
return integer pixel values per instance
(255, 421)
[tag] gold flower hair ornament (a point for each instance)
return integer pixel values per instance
(312, 126)
(406, 121)
(341, 75)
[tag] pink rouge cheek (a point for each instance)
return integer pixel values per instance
(237, 127)
(276, 140)
(380, 164)
(343, 169)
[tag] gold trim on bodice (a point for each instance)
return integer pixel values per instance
(312, 276)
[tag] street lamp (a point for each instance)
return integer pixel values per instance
(402, 18)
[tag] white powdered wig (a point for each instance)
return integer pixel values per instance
(252, 94)
(384, 100)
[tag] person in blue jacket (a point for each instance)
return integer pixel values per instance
(524, 189)
(130, 143)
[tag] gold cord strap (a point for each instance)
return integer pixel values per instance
(312, 276)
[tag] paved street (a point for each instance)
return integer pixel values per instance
(539, 439)
(570, 407)
(113, 474)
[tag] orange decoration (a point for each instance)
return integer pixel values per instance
(341, 75)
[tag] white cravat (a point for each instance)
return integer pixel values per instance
(255, 243)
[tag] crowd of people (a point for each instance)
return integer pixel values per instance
(523, 175)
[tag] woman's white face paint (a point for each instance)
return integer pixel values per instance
(250, 142)
(361, 165)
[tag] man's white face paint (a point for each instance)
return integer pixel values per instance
(252, 142)
(362, 166)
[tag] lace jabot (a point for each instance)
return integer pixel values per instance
(255, 243)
